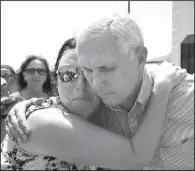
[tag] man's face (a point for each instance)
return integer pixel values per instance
(112, 76)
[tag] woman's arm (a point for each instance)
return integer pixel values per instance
(75, 140)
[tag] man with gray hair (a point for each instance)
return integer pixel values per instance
(113, 57)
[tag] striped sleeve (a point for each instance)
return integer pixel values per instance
(178, 137)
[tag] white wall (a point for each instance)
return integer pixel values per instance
(182, 25)
(155, 20)
(41, 27)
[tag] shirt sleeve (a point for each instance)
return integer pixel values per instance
(178, 136)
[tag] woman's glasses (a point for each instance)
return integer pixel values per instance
(68, 73)
(32, 71)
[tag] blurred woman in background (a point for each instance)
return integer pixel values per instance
(9, 87)
(10, 76)
(33, 81)
(34, 78)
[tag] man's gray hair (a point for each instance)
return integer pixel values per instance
(125, 29)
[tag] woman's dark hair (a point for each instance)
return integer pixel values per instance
(47, 88)
(69, 44)
(9, 68)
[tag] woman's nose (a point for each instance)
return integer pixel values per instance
(36, 73)
(81, 82)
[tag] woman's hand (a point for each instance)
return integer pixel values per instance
(168, 75)
(16, 126)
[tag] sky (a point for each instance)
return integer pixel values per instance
(41, 27)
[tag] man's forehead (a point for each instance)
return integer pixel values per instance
(97, 62)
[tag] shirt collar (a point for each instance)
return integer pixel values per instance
(146, 89)
(144, 93)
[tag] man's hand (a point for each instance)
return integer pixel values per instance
(16, 126)
(168, 74)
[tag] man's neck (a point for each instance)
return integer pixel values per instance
(130, 101)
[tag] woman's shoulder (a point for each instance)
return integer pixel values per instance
(50, 103)
(47, 112)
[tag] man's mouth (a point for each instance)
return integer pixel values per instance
(36, 79)
(82, 98)
(105, 94)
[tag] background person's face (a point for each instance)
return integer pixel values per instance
(7, 75)
(113, 76)
(35, 79)
(4, 90)
(75, 93)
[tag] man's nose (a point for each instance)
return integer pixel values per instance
(97, 82)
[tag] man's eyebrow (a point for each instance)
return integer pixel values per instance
(107, 66)
(103, 66)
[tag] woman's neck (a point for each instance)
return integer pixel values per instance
(29, 93)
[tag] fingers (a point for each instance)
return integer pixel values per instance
(38, 101)
(11, 132)
(14, 126)
(23, 126)
(21, 120)
(8, 132)
(16, 119)
(18, 122)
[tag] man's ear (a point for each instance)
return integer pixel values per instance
(142, 53)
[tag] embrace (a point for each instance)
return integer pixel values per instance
(111, 112)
